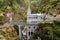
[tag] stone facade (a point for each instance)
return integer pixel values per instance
(34, 19)
(31, 23)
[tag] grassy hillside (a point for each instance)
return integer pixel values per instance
(55, 10)
(8, 33)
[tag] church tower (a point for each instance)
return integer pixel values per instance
(28, 10)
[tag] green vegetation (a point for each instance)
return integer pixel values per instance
(3, 19)
(19, 7)
(47, 31)
(8, 33)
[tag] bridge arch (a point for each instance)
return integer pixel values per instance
(17, 25)
(16, 28)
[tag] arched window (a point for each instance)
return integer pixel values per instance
(29, 33)
(34, 27)
(36, 17)
(29, 27)
(41, 17)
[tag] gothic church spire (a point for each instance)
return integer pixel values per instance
(28, 10)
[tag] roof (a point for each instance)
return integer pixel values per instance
(37, 14)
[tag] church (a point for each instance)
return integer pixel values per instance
(33, 20)
(31, 23)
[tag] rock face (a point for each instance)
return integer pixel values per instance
(8, 33)
(58, 17)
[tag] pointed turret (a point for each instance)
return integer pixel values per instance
(28, 10)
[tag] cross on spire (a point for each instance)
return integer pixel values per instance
(28, 10)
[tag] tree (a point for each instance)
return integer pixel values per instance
(47, 31)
